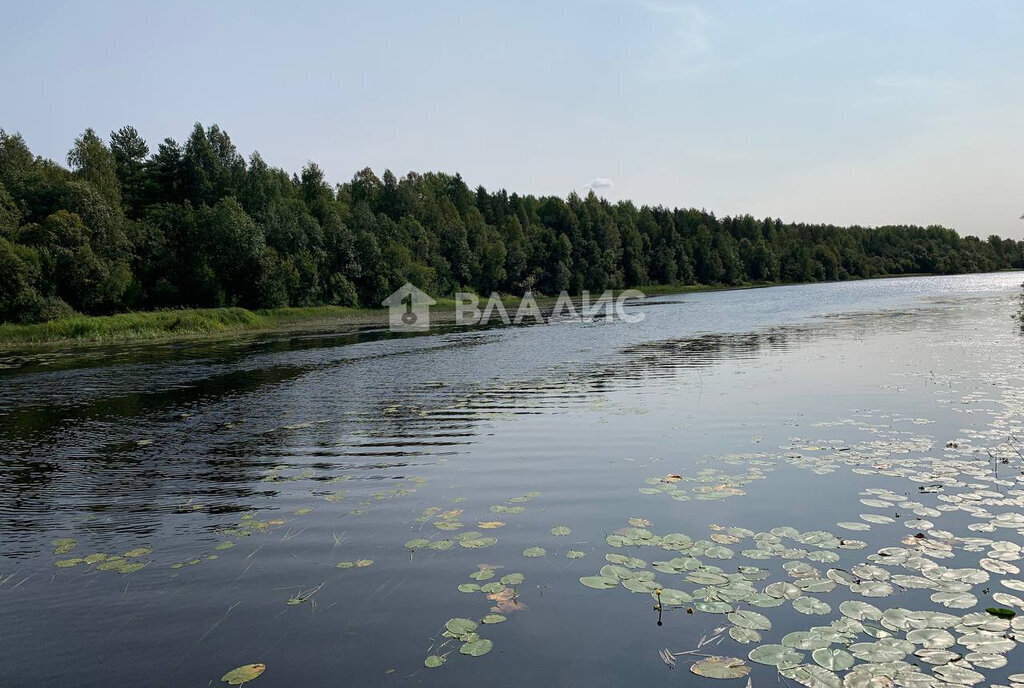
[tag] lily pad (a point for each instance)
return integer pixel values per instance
(64, 545)
(720, 667)
(599, 582)
(1001, 613)
(751, 620)
(243, 674)
(812, 676)
(775, 655)
(534, 552)
(460, 626)
(811, 605)
(477, 647)
(434, 661)
(833, 660)
(560, 530)
(954, 673)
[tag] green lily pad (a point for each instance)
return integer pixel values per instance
(127, 567)
(860, 611)
(493, 619)
(833, 660)
(955, 600)
(434, 661)
(812, 676)
(64, 545)
(811, 605)
(751, 620)
(713, 606)
(744, 635)
(931, 638)
(460, 626)
(775, 655)
(560, 530)
(476, 543)
(673, 597)
(872, 589)
(575, 554)
(477, 647)
(534, 552)
(243, 674)
(1001, 613)
(954, 673)
(599, 582)
(441, 545)
(805, 640)
(720, 667)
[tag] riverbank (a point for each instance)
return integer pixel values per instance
(197, 323)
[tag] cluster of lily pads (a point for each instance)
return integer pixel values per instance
(494, 589)
(120, 563)
(464, 631)
(711, 484)
(904, 647)
(469, 539)
(449, 520)
(986, 636)
(248, 525)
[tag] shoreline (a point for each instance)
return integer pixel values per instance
(199, 324)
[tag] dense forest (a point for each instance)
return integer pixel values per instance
(124, 227)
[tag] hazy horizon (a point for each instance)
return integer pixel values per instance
(870, 114)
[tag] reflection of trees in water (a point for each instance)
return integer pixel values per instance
(671, 357)
(213, 440)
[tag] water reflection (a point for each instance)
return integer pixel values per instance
(209, 429)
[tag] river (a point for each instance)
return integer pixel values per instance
(317, 503)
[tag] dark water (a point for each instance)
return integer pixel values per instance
(782, 405)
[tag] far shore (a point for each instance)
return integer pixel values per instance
(209, 323)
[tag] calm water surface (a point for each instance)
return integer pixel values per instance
(242, 473)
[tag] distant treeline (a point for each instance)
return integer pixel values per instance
(126, 227)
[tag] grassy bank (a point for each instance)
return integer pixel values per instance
(178, 323)
(188, 323)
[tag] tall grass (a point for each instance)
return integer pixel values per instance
(165, 324)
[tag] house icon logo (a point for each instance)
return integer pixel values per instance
(409, 309)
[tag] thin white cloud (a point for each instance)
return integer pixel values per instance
(598, 183)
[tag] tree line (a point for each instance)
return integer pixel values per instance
(125, 227)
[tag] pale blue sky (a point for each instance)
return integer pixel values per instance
(866, 112)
